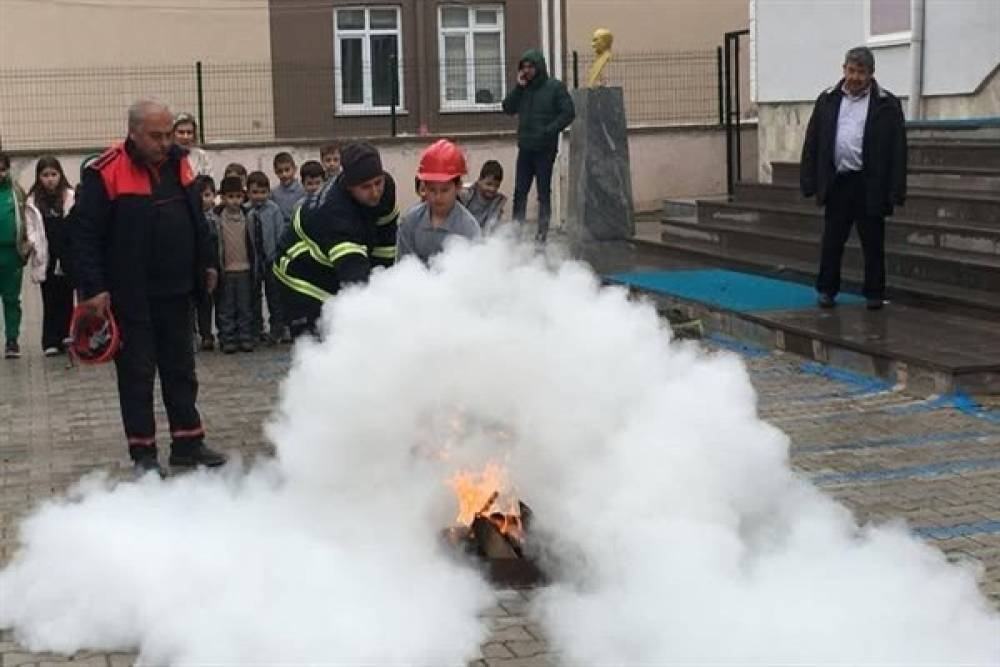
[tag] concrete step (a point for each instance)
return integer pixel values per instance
(680, 207)
(928, 351)
(920, 235)
(982, 208)
(974, 304)
(954, 153)
(925, 176)
(975, 280)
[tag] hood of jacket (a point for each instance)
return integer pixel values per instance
(535, 57)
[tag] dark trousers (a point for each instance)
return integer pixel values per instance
(534, 166)
(57, 309)
(301, 312)
(160, 342)
(206, 304)
(845, 207)
(234, 309)
(267, 286)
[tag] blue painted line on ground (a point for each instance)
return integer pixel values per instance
(738, 346)
(862, 384)
(959, 530)
(911, 472)
(958, 401)
(900, 441)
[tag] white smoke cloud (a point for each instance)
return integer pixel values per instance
(677, 531)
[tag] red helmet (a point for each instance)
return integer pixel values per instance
(94, 337)
(443, 161)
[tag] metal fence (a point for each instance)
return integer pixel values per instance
(49, 109)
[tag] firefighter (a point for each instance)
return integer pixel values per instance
(338, 238)
(141, 247)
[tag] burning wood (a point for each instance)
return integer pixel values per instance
(493, 524)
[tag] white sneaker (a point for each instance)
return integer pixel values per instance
(51, 352)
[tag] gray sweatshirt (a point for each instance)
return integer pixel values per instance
(287, 198)
(416, 235)
(268, 224)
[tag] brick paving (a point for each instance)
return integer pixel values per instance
(933, 462)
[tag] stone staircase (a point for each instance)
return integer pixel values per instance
(943, 246)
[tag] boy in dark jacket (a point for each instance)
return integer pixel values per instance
(545, 109)
(268, 226)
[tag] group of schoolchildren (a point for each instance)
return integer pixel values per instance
(248, 217)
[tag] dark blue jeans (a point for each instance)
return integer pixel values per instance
(537, 166)
(233, 310)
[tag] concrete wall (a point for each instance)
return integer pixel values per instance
(98, 57)
(666, 163)
(799, 47)
(654, 25)
(40, 34)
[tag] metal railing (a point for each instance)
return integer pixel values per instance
(51, 109)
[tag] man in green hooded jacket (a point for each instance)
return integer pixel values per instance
(545, 109)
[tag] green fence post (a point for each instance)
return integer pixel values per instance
(201, 102)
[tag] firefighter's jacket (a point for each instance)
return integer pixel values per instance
(334, 241)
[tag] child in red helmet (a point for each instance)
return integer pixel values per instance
(424, 229)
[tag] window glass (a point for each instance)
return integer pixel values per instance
(488, 68)
(350, 19)
(889, 16)
(351, 72)
(383, 19)
(454, 17)
(383, 49)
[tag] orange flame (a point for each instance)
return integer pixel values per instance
(489, 494)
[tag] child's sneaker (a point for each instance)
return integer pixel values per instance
(12, 351)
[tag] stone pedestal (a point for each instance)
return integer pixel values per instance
(599, 212)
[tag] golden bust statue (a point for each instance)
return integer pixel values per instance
(602, 49)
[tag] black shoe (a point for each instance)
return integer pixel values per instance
(144, 464)
(826, 301)
(228, 348)
(874, 304)
(197, 454)
(12, 351)
(207, 344)
(246, 346)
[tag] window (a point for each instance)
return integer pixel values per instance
(367, 42)
(471, 51)
(888, 21)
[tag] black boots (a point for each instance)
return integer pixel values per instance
(182, 455)
(144, 461)
(189, 454)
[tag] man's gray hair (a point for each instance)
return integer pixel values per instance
(139, 109)
(861, 55)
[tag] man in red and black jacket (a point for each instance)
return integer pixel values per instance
(142, 248)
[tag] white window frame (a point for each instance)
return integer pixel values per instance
(889, 38)
(464, 106)
(367, 107)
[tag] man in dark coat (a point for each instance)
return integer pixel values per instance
(142, 250)
(854, 162)
(545, 109)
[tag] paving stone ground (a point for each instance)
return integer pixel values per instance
(933, 462)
